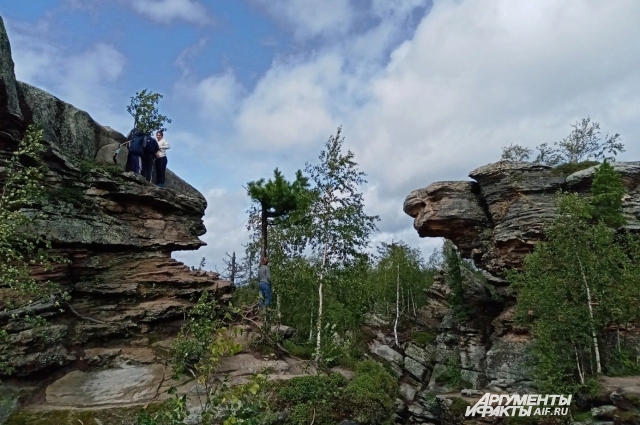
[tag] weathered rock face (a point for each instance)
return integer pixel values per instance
(116, 230)
(497, 219)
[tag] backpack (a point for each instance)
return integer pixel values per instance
(138, 144)
(151, 146)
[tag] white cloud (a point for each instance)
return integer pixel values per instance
(165, 11)
(84, 79)
(225, 221)
(312, 18)
(475, 76)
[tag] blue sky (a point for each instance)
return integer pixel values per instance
(425, 91)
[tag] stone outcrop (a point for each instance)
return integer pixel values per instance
(115, 230)
(495, 220)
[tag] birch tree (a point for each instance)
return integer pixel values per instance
(340, 228)
(581, 281)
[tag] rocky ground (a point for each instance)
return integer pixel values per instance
(117, 382)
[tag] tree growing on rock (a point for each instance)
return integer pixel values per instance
(22, 248)
(144, 110)
(583, 144)
(580, 282)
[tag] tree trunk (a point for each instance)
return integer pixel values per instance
(413, 303)
(233, 268)
(319, 320)
(593, 327)
(578, 364)
(263, 236)
(395, 325)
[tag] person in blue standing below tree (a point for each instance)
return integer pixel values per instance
(264, 282)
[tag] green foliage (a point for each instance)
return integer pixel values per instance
(398, 264)
(326, 399)
(607, 191)
(312, 398)
(196, 336)
(458, 407)
(302, 351)
(623, 363)
(371, 394)
(21, 245)
(275, 200)
(582, 144)
(422, 338)
(314, 389)
(583, 279)
(173, 412)
(452, 375)
(572, 167)
(454, 267)
(340, 227)
(201, 344)
(143, 108)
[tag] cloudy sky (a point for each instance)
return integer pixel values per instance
(425, 90)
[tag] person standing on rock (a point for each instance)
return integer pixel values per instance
(264, 282)
(148, 157)
(136, 141)
(161, 158)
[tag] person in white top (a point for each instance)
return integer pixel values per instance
(161, 158)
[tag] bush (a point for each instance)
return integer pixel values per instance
(458, 407)
(572, 167)
(312, 389)
(303, 351)
(371, 394)
(312, 398)
(452, 375)
(422, 338)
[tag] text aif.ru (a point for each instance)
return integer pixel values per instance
(520, 405)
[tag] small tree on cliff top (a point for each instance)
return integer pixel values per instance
(582, 144)
(145, 113)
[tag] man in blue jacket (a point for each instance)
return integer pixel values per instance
(137, 142)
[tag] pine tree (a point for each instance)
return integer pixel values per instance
(275, 199)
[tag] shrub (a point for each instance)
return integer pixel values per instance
(303, 351)
(312, 389)
(371, 394)
(422, 338)
(452, 375)
(572, 167)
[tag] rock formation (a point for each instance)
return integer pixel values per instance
(497, 219)
(117, 231)
(494, 220)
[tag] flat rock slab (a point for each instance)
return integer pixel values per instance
(128, 385)
(246, 364)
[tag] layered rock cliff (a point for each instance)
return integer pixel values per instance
(117, 231)
(494, 220)
(497, 218)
